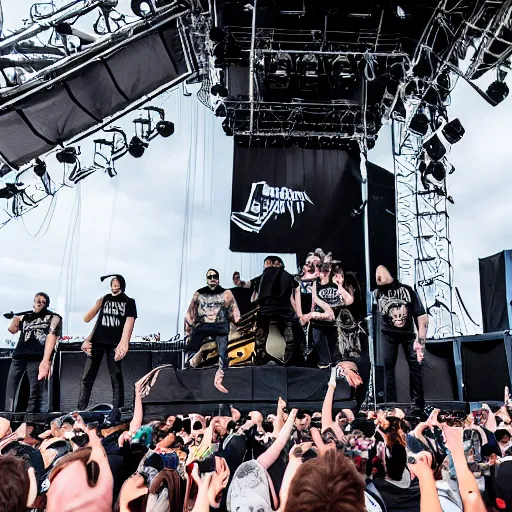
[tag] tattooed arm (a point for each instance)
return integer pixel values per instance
(191, 315)
(232, 306)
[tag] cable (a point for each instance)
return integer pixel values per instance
(111, 224)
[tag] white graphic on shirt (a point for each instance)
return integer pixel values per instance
(394, 306)
(113, 312)
(265, 201)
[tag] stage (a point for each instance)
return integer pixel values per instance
(250, 388)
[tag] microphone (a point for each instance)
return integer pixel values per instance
(11, 315)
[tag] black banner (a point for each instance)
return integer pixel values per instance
(290, 200)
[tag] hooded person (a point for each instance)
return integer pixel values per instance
(39, 331)
(273, 293)
(111, 336)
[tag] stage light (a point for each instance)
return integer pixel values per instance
(434, 148)
(65, 29)
(341, 67)
(308, 66)
(431, 97)
(219, 90)
(437, 170)
(419, 124)
(453, 131)
(280, 71)
(137, 147)
(39, 168)
(142, 8)
(217, 34)
(444, 85)
(67, 155)
(165, 128)
(370, 143)
(497, 91)
(221, 111)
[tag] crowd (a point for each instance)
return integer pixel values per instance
(291, 461)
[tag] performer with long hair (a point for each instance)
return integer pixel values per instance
(39, 331)
(335, 332)
(110, 336)
(209, 315)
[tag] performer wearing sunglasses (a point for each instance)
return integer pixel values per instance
(39, 331)
(210, 312)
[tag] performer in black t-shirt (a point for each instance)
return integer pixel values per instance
(39, 332)
(110, 336)
(400, 311)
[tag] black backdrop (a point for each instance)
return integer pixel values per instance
(331, 180)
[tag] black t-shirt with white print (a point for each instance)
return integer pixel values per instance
(114, 311)
(34, 328)
(398, 306)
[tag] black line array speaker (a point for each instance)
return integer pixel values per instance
(496, 291)
(5, 364)
(486, 365)
(438, 369)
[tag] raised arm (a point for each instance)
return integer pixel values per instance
(422, 325)
(268, 458)
(93, 311)
(238, 282)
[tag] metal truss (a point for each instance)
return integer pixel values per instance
(423, 235)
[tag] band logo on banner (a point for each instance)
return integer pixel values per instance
(265, 201)
(283, 199)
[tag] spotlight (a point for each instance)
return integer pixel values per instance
(65, 29)
(419, 124)
(431, 97)
(137, 147)
(217, 34)
(39, 168)
(453, 131)
(221, 111)
(165, 128)
(67, 155)
(142, 8)
(341, 67)
(219, 90)
(434, 148)
(497, 91)
(437, 170)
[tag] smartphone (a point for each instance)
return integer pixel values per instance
(207, 465)
(309, 454)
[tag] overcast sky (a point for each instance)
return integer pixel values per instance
(142, 237)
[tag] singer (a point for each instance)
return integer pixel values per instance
(111, 336)
(39, 331)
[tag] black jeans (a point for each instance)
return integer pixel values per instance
(325, 339)
(390, 350)
(219, 332)
(38, 400)
(92, 365)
